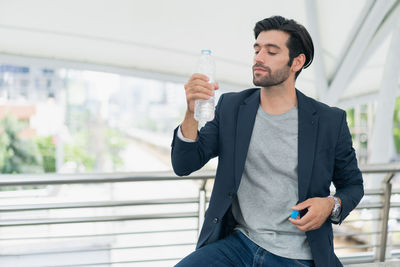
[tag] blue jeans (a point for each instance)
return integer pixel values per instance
(237, 250)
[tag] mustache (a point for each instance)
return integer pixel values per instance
(259, 65)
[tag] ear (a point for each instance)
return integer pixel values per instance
(298, 62)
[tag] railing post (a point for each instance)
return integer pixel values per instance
(202, 205)
(387, 187)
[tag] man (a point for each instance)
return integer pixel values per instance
(279, 151)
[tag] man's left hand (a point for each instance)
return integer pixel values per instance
(319, 209)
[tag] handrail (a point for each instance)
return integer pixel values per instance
(99, 235)
(380, 168)
(55, 251)
(88, 178)
(101, 263)
(95, 204)
(26, 222)
(386, 207)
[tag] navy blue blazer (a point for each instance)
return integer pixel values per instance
(325, 155)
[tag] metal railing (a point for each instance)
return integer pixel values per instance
(379, 247)
(23, 216)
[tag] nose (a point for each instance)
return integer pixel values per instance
(258, 57)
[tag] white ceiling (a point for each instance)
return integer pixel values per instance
(165, 37)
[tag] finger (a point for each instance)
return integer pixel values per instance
(304, 220)
(199, 76)
(199, 96)
(296, 222)
(312, 225)
(216, 86)
(303, 205)
(199, 89)
(201, 83)
(308, 227)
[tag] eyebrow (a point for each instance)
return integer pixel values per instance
(267, 45)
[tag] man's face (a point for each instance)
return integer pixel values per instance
(271, 58)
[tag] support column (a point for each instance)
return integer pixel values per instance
(202, 205)
(318, 62)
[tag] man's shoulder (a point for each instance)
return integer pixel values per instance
(241, 95)
(324, 109)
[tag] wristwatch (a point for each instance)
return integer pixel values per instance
(336, 208)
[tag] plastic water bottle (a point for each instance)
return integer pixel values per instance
(204, 109)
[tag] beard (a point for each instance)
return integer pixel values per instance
(270, 79)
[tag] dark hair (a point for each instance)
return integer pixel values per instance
(299, 42)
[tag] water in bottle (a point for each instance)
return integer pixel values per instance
(204, 109)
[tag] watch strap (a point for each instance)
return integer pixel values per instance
(337, 208)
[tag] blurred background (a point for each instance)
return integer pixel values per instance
(91, 91)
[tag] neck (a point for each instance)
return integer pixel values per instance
(278, 99)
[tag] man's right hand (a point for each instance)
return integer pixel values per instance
(198, 87)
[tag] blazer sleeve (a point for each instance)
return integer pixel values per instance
(189, 157)
(347, 177)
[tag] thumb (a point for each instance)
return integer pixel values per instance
(302, 205)
(216, 86)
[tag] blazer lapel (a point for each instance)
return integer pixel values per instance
(307, 137)
(244, 128)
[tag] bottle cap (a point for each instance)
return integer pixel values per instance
(206, 51)
(294, 214)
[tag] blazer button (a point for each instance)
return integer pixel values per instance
(230, 194)
(215, 220)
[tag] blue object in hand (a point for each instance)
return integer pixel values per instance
(294, 214)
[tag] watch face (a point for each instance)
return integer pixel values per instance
(335, 212)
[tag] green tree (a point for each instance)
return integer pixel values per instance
(16, 154)
(77, 151)
(115, 144)
(48, 151)
(396, 125)
(350, 122)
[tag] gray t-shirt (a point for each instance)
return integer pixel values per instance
(269, 187)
